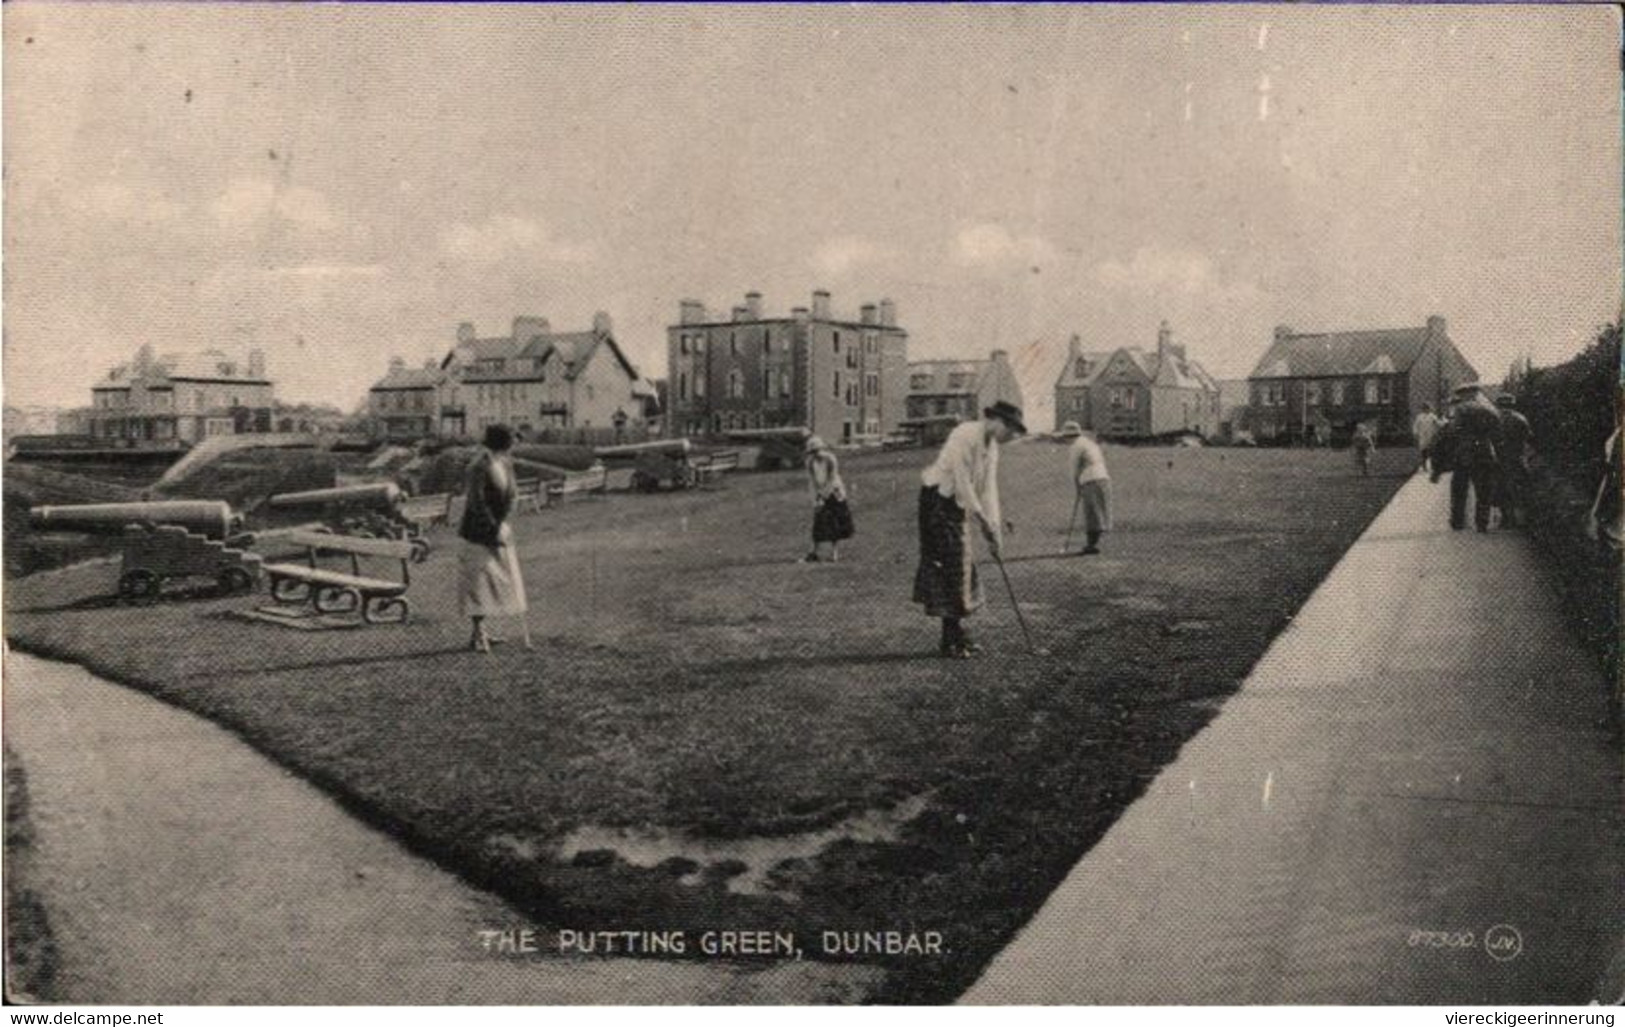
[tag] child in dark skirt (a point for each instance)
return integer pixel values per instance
(832, 517)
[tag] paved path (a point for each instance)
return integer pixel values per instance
(1425, 748)
(178, 866)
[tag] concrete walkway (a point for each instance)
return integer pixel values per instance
(1426, 749)
(178, 866)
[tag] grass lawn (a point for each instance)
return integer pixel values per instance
(713, 736)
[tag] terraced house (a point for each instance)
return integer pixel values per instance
(1130, 392)
(1310, 385)
(837, 376)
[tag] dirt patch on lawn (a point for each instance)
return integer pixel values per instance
(31, 956)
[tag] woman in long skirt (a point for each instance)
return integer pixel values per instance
(832, 516)
(490, 583)
(959, 493)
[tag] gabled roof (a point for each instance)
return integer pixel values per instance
(1388, 351)
(940, 370)
(1069, 378)
(409, 378)
(573, 350)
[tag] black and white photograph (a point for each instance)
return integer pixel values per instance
(1101, 505)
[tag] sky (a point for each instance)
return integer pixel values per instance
(338, 185)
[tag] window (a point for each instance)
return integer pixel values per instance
(1371, 391)
(733, 343)
(1311, 393)
(869, 343)
(871, 384)
(1385, 390)
(1278, 394)
(699, 385)
(959, 380)
(699, 344)
(1081, 369)
(784, 384)
(919, 382)
(852, 358)
(682, 345)
(1337, 393)
(837, 384)
(736, 384)
(837, 342)
(767, 382)
(767, 341)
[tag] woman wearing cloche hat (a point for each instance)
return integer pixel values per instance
(832, 517)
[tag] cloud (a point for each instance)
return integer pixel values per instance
(1156, 270)
(122, 203)
(844, 253)
(249, 202)
(503, 236)
(990, 245)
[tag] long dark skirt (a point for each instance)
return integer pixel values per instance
(832, 521)
(946, 583)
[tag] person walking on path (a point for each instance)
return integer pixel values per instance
(1467, 446)
(1605, 521)
(1423, 429)
(959, 489)
(1094, 490)
(832, 516)
(1364, 442)
(490, 582)
(1512, 449)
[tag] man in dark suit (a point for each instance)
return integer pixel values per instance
(1467, 445)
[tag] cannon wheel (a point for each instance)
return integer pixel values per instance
(336, 599)
(643, 481)
(420, 550)
(378, 610)
(235, 580)
(139, 585)
(687, 477)
(289, 590)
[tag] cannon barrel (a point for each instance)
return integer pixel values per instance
(665, 447)
(210, 517)
(381, 496)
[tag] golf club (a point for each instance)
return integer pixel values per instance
(1020, 617)
(1072, 522)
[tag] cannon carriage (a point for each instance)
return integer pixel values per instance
(160, 542)
(656, 465)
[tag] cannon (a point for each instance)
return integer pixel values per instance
(655, 464)
(207, 517)
(162, 541)
(374, 510)
(779, 447)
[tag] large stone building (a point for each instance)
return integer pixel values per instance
(1334, 380)
(181, 397)
(959, 390)
(837, 377)
(531, 379)
(1130, 392)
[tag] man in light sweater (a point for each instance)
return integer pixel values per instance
(960, 490)
(1094, 485)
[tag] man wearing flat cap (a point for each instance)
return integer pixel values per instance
(961, 489)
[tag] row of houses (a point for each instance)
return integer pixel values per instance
(847, 378)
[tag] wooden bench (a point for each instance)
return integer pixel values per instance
(594, 480)
(530, 494)
(431, 511)
(378, 600)
(707, 469)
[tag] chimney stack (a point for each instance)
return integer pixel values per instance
(999, 356)
(888, 313)
(1282, 332)
(1074, 348)
(465, 331)
(820, 305)
(526, 328)
(397, 363)
(753, 305)
(1436, 325)
(693, 312)
(867, 314)
(601, 324)
(799, 313)
(741, 313)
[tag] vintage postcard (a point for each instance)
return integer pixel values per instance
(708, 505)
